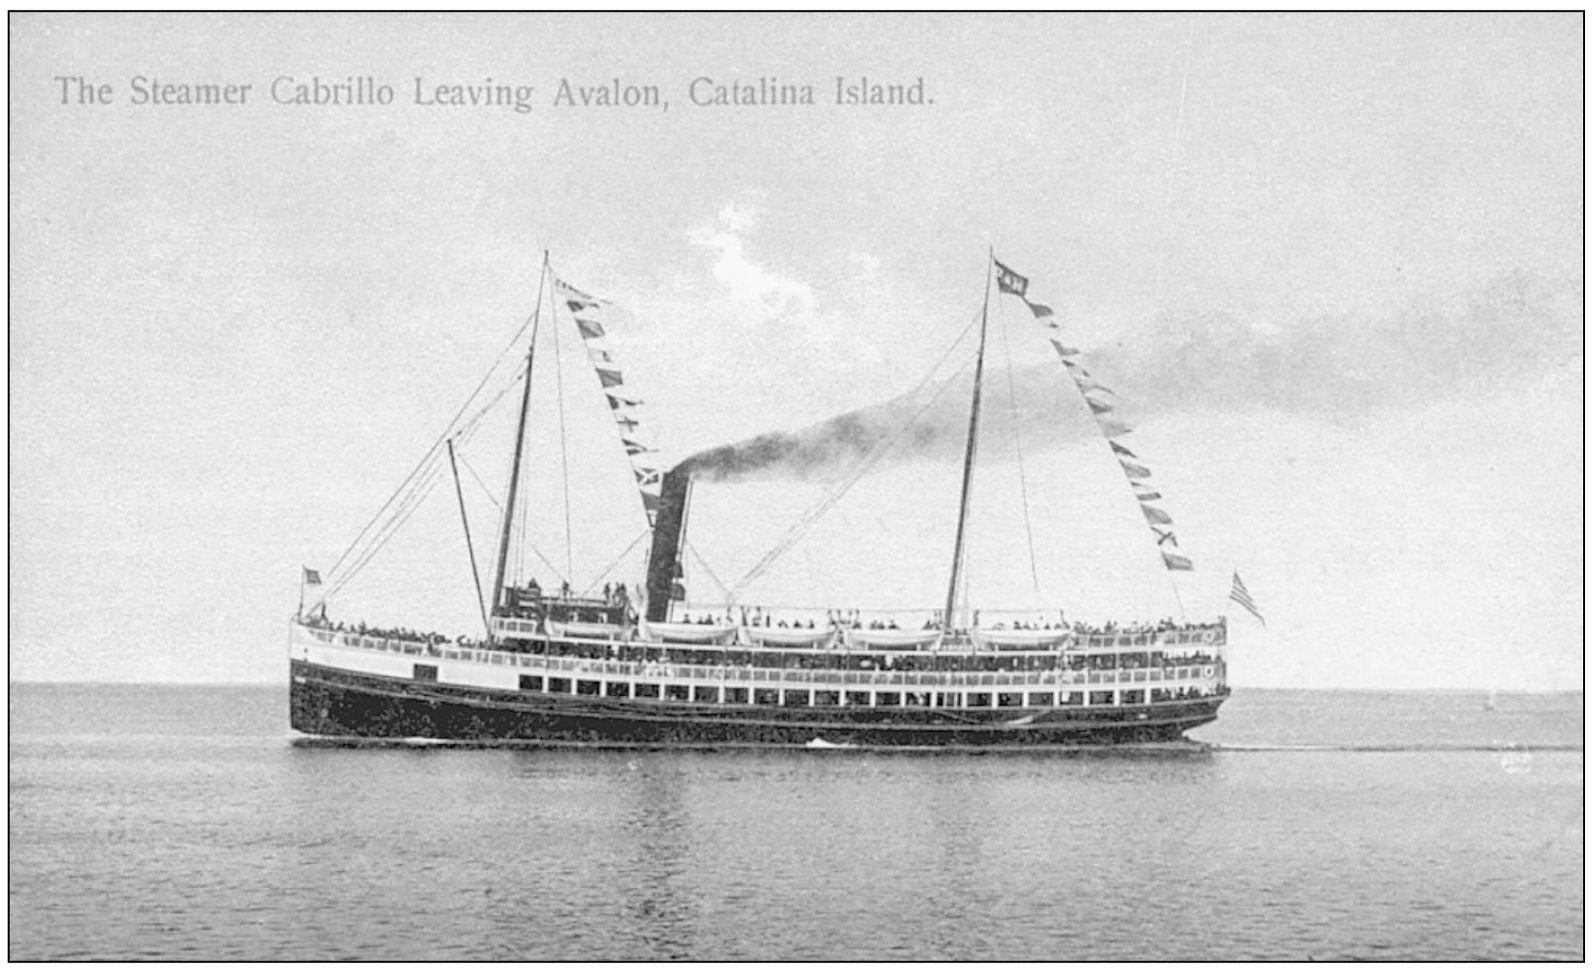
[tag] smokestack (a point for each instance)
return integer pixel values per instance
(668, 542)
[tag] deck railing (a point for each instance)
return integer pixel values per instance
(799, 677)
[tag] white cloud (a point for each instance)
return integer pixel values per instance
(761, 295)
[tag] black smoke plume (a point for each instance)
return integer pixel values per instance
(1335, 368)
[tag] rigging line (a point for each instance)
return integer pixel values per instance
(796, 531)
(432, 452)
(814, 513)
(617, 560)
(793, 535)
(1176, 154)
(709, 570)
(489, 496)
(467, 430)
(388, 530)
(389, 527)
(1017, 436)
(545, 561)
(563, 440)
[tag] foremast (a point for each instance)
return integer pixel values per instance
(948, 622)
(519, 446)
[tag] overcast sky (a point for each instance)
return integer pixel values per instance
(1332, 264)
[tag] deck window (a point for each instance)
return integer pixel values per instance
(765, 695)
(949, 700)
(646, 691)
(618, 688)
(1101, 698)
(979, 699)
(1041, 698)
(707, 695)
(856, 698)
(735, 695)
(588, 687)
(1133, 697)
(677, 692)
(915, 699)
(530, 682)
(558, 685)
(1073, 698)
(425, 672)
(1011, 700)
(826, 698)
(887, 698)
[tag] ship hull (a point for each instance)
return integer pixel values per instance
(331, 702)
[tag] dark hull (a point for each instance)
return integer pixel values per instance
(333, 703)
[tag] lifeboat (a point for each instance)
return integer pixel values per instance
(765, 636)
(892, 639)
(690, 632)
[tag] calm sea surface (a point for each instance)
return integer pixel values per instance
(182, 823)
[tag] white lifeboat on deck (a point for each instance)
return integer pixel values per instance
(689, 632)
(765, 636)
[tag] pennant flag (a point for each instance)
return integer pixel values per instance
(1175, 561)
(1154, 515)
(1241, 596)
(1145, 496)
(1163, 536)
(1099, 407)
(1008, 281)
(1121, 451)
(582, 295)
(1137, 471)
(1040, 310)
(312, 577)
(1065, 351)
(609, 375)
(1112, 428)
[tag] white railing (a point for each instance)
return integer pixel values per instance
(1171, 675)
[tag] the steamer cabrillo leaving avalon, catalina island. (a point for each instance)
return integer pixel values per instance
(370, 91)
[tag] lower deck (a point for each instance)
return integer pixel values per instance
(339, 702)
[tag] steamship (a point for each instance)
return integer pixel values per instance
(628, 665)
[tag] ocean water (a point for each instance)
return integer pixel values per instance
(183, 823)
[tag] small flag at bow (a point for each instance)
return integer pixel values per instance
(311, 577)
(1241, 596)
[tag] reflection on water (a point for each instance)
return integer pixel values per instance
(654, 833)
(138, 834)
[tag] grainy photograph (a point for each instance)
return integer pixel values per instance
(796, 487)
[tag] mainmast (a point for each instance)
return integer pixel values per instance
(519, 446)
(967, 461)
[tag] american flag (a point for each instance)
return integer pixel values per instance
(1241, 596)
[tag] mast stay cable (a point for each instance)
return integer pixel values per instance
(799, 528)
(1017, 438)
(433, 453)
